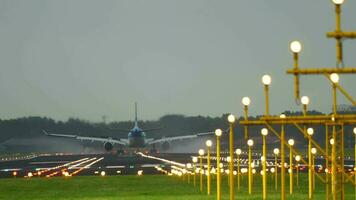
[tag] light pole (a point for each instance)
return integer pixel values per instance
(276, 152)
(291, 143)
(218, 134)
(201, 171)
(238, 153)
(283, 167)
(246, 102)
(313, 151)
(231, 119)
(334, 79)
(310, 132)
(264, 133)
(208, 143)
(355, 158)
(297, 159)
(195, 160)
(250, 144)
(296, 47)
(338, 29)
(189, 166)
(266, 80)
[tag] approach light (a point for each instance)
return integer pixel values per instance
(313, 150)
(282, 116)
(305, 100)
(276, 151)
(264, 131)
(297, 158)
(218, 132)
(228, 159)
(246, 101)
(195, 159)
(250, 142)
(201, 152)
(310, 131)
(332, 141)
(189, 165)
(231, 118)
(334, 77)
(291, 142)
(102, 173)
(266, 79)
(355, 130)
(295, 46)
(209, 143)
(238, 151)
(338, 2)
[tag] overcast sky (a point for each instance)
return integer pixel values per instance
(89, 58)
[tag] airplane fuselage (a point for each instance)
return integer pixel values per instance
(136, 138)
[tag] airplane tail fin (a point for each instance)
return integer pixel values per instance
(136, 122)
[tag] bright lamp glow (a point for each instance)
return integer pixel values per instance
(355, 130)
(295, 46)
(189, 165)
(246, 101)
(218, 132)
(305, 100)
(334, 77)
(313, 150)
(209, 143)
(291, 142)
(228, 159)
(297, 158)
(201, 152)
(195, 159)
(250, 142)
(262, 158)
(310, 131)
(282, 116)
(238, 151)
(332, 141)
(264, 131)
(231, 118)
(338, 2)
(266, 79)
(276, 151)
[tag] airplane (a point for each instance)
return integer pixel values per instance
(136, 138)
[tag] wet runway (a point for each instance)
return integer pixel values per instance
(79, 165)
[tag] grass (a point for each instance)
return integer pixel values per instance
(155, 187)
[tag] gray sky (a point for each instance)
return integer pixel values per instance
(88, 58)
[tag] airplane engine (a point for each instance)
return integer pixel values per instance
(165, 146)
(108, 146)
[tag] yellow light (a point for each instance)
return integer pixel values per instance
(228, 159)
(295, 46)
(218, 132)
(140, 173)
(231, 118)
(189, 165)
(253, 171)
(272, 170)
(209, 143)
(297, 158)
(338, 2)
(102, 173)
(310, 131)
(313, 150)
(238, 151)
(29, 174)
(291, 142)
(201, 152)
(276, 151)
(266, 79)
(250, 142)
(221, 165)
(355, 130)
(332, 141)
(264, 131)
(246, 101)
(262, 158)
(334, 77)
(282, 116)
(195, 159)
(305, 100)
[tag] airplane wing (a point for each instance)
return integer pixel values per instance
(169, 139)
(92, 139)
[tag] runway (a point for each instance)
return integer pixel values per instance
(78, 165)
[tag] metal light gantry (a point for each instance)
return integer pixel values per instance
(336, 121)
